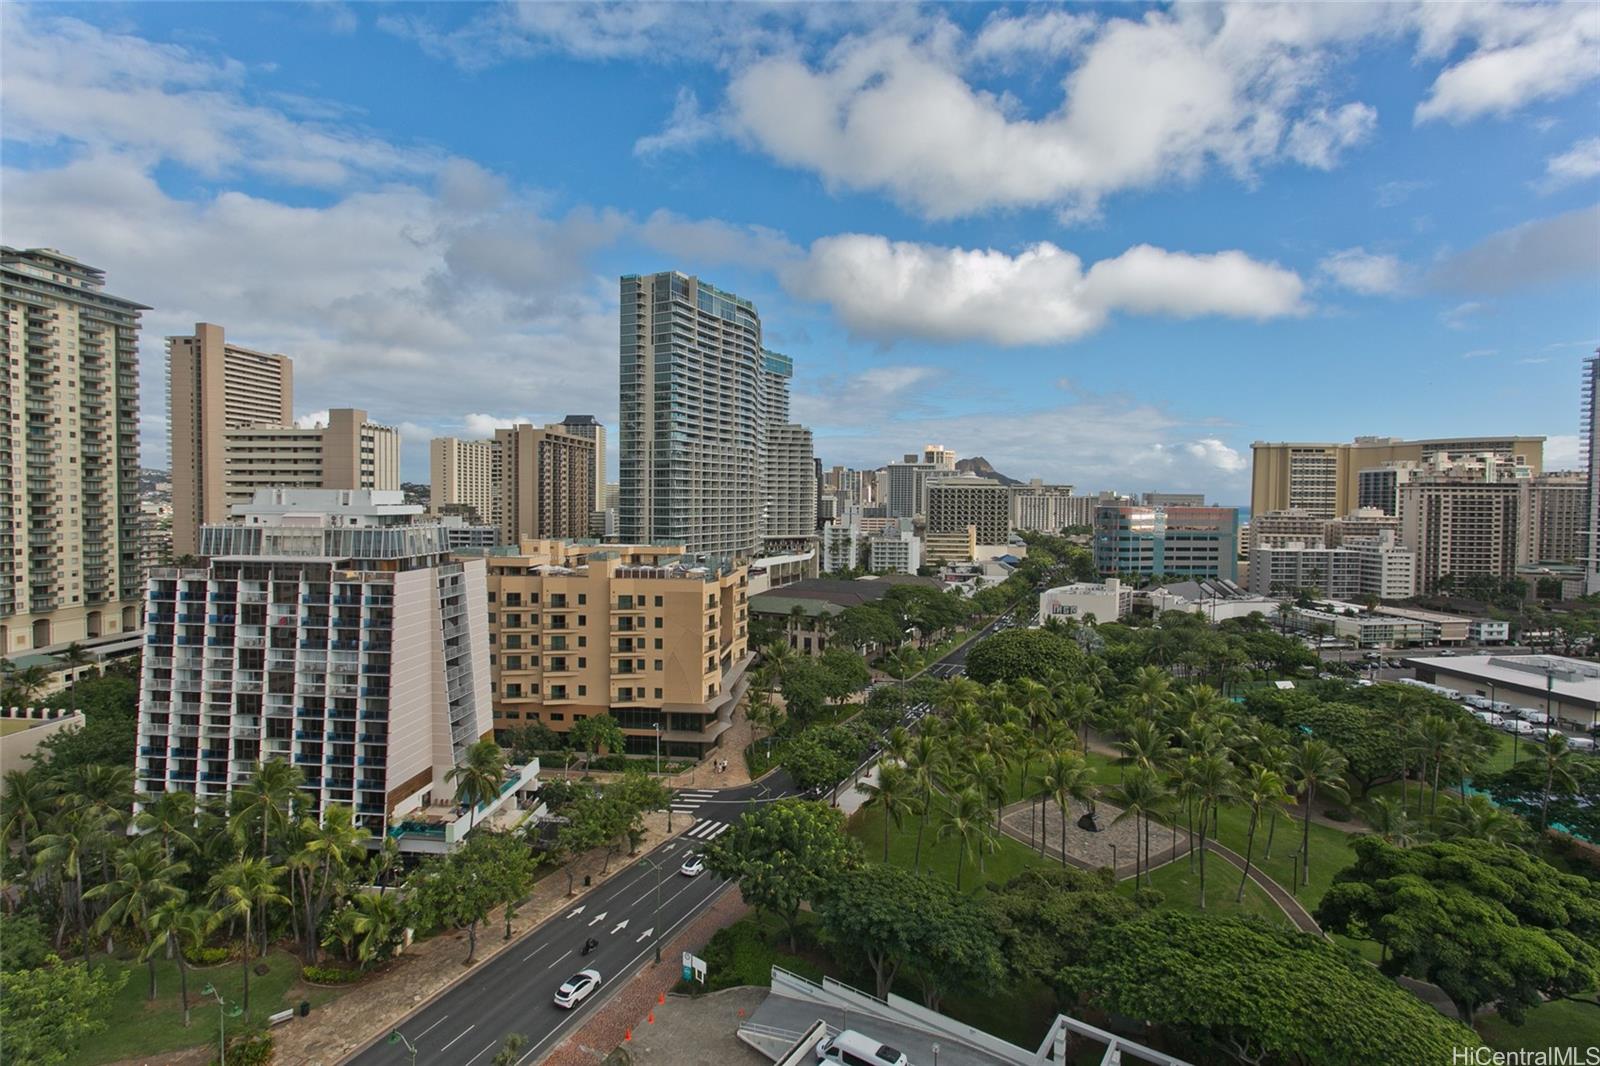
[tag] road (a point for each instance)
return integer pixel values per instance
(514, 991)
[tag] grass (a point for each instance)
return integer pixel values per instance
(138, 1027)
(1561, 1023)
(939, 857)
(745, 952)
(1181, 887)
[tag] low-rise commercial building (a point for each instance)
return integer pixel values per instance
(1086, 601)
(955, 546)
(634, 631)
(1347, 621)
(1567, 689)
(801, 607)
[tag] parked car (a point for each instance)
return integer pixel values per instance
(1536, 717)
(693, 866)
(1518, 726)
(1482, 703)
(1581, 743)
(1489, 718)
(577, 988)
(856, 1049)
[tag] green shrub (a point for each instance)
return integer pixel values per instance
(250, 1050)
(200, 955)
(329, 975)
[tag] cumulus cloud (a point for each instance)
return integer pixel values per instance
(1363, 272)
(482, 426)
(67, 82)
(313, 420)
(686, 127)
(1578, 163)
(1010, 39)
(1547, 250)
(1321, 137)
(889, 290)
(1563, 451)
(1522, 53)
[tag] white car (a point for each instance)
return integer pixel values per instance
(693, 866)
(1581, 743)
(575, 989)
(1519, 727)
(1536, 717)
(1489, 718)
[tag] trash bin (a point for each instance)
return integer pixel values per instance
(587, 880)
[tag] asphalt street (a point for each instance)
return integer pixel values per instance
(514, 991)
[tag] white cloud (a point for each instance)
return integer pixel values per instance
(686, 127)
(1578, 163)
(1522, 53)
(1318, 139)
(1040, 295)
(1546, 250)
(1480, 353)
(1010, 39)
(1364, 272)
(1164, 97)
(715, 242)
(1464, 315)
(1563, 451)
(312, 420)
(480, 426)
(67, 81)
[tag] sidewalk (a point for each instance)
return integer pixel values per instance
(370, 1009)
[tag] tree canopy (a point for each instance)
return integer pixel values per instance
(1262, 993)
(1015, 654)
(784, 854)
(1485, 922)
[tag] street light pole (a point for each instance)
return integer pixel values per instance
(222, 1022)
(397, 1037)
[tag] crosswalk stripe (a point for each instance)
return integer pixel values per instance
(723, 828)
(704, 829)
(696, 792)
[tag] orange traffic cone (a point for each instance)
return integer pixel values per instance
(652, 1018)
(627, 1035)
(661, 997)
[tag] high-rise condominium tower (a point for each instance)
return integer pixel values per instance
(1591, 456)
(692, 409)
(69, 453)
(214, 386)
(326, 629)
(347, 453)
(465, 473)
(546, 486)
(1325, 479)
(590, 428)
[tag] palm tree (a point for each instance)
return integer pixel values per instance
(1438, 736)
(74, 835)
(244, 889)
(1476, 818)
(328, 851)
(1141, 794)
(902, 663)
(29, 682)
(1066, 777)
(1264, 791)
(144, 881)
(1143, 744)
(479, 777)
(1555, 758)
(1149, 692)
(967, 819)
(182, 927)
(927, 760)
(106, 792)
(28, 798)
(73, 656)
(171, 815)
(1214, 783)
(510, 1052)
(1275, 757)
(363, 926)
(1316, 765)
(1390, 820)
(267, 799)
(893, 793)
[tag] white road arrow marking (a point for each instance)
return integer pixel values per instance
(620, 926)
(574, 912)
(598, 918)
(645, 935)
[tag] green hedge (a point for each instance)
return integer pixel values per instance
(204, 956)
(329, 975)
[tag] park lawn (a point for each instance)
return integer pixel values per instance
(1331, 851)
(137, 1027)
(939, 857)
(1561, 1023)
(1181, 889)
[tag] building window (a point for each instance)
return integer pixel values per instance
(658, 644)
(583, 620)
(658, 623)
(583, 690)
(582, 599)
(658, 601)
(658, 664)
(513, 715)
(582, 662)
(557, 716)
(658, 694)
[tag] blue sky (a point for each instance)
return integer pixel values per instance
(1105, 245)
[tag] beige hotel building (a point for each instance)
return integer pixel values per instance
(585, 629)
(213, 387)
(69, 453)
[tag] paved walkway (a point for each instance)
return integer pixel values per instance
(625, 1017)
(1090, 850)
(375, 1006)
